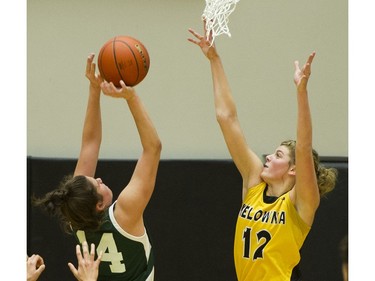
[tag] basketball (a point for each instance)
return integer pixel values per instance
(123, 58)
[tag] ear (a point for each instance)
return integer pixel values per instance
(100, 206)
(292, 170)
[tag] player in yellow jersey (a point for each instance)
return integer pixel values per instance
(280, 196)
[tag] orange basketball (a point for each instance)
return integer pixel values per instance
(123, 58)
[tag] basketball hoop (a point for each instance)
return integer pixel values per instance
(216, 14)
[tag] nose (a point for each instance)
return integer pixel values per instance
(99, 180)
(268, 158)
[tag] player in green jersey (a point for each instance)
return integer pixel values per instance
(84, 203)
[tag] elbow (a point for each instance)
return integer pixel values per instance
(156, 147)
(223, 117)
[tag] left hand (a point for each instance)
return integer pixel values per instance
(88, 267)
(301, 76)
(95, 79)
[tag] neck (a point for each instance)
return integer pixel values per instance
(277, 191)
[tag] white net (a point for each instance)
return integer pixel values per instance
(216, 14)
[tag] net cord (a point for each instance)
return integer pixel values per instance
(216, 14)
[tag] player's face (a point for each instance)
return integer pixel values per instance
(277, 165)
(103, 190)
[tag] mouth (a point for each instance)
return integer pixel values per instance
(265, 166)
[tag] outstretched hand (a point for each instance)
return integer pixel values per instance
(88, 267)
(302, 75)
(109, 89)
(95, 79)
(205, 43)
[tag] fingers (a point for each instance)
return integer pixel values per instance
(90, 58)
(307, 69)
(78, 253)
(85, 249)
(91, 69)
(296, 65)
(39, 261)
(99, 259)
(308, 62)
(108, 88)
(41, 269)
(196, 35)
(100, 256)
(35, 260)
(123, 85)
(92, 250)
(73, 269)
(307, 66)
(311, 57)
(85, 252)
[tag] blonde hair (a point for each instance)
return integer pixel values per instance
(326, 177)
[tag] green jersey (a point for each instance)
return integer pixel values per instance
(125, 257)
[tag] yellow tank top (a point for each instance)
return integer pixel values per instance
(268, 237)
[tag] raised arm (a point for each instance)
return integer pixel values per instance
(134, 198)
(92, 128)
(246, 161)
(306, 192)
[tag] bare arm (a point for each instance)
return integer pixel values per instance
(134, 198)
(92, 128)
(246, 161)
(306, 193)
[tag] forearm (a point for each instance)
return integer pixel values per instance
(304, 122)
(92, 128)
(224, 104)
(148, 135)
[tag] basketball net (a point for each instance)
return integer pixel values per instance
(216, 14)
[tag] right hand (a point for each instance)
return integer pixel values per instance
(35, 266)
(207, 46)
(109, 89)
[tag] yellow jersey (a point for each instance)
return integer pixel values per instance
(268, 237)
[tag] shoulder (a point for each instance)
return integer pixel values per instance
(255, 190)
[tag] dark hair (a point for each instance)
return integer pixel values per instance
(74, 203)
(326, 176)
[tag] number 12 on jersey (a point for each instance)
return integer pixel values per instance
(263, 237)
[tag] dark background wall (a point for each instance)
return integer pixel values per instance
(191, 219)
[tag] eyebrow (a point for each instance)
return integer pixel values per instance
(97, 183)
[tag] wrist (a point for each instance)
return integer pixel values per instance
(213, 57)
(302, 93)
(95, 88)
(130, 97)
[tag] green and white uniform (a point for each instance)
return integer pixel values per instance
(125, 257)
